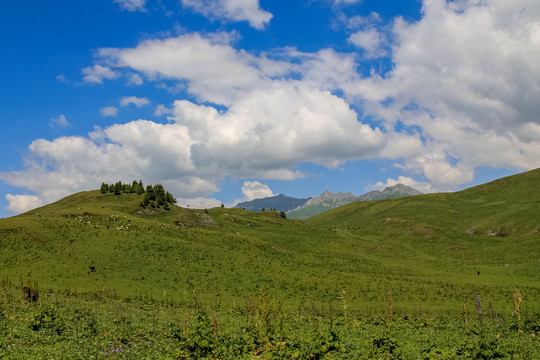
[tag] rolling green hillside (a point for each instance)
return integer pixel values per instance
(507, 206)
(367, 248)
(493, 228)
(433, 255)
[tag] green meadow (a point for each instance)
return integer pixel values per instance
(438, 276)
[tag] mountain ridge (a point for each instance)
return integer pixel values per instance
(305, 208)
(279, 202)
(328, 200)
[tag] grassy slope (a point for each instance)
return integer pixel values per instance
(446, 238)
(417, 247)
(230, 252)
(307, 212)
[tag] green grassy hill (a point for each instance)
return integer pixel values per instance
(307, 212)
(367, 248)
(509, 204)
(432, 253)
(493, 228)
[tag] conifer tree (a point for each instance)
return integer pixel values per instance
(134, 187)
(118, 188)
(160, 194)
(169, 198)
(150, 193)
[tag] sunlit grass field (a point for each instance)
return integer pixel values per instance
(439, 276)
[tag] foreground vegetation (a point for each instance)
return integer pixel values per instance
(100, 325)
(442, 276)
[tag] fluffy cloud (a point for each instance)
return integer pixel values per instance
(255, 190)
(109, 111)
(161, 110)
(462, 93)
(214, 70)
(131, 5)
(371, 41)
(134, 80)
(60, 121)
(22, 203)
(465, 79)
(98, 73)
(237, 10)
(138, 102)
(137, 150)
(263, 135)
(278, 127)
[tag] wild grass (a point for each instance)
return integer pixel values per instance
(68, 326)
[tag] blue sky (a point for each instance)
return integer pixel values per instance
(225, 101)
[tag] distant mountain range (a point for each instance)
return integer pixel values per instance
(279, 202)
(306, 208)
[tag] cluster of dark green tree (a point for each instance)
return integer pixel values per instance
(136, 187)
(155, 196)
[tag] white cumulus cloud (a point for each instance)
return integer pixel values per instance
(462, 93)
(109, 111)
(214, 70)
(255, 190)
(371, 41)
(134, 80)
(161, 110)
(464, 82)
(138, 102)
(60, 121)
(98, 73)
(237, 10)
(23, 203)
(201, 145)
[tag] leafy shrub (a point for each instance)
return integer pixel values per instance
(49, 320)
